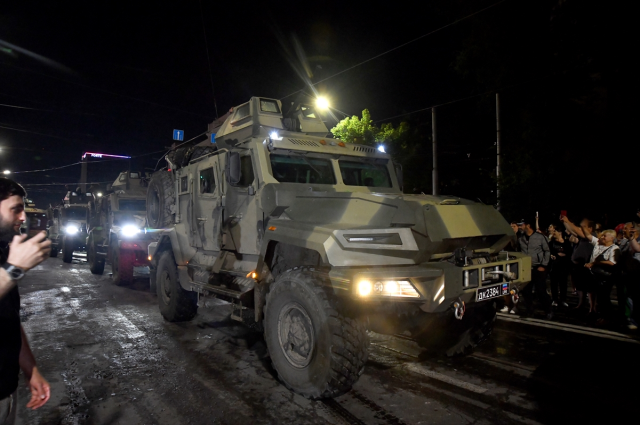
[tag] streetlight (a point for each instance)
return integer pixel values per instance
(6, 172)
(322, 103)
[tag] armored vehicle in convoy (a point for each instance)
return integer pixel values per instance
(313, 241)
(117, 228)
(37, 219)
(68, 225)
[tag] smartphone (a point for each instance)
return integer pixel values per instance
(563, 213)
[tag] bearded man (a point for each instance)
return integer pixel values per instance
(17, 256)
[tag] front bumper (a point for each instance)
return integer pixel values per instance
(439, 284)
(139, 248)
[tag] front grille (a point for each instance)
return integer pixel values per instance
(303, 142)
(363, 149)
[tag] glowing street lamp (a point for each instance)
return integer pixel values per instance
(322, 103)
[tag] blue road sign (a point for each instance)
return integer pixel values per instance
(213, 137)
(178, 135)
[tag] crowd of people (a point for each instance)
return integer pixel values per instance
(591, 259)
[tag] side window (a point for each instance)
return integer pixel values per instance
(123, 178)
(246, 168)
(184, 184)
(241, 112)
(207, 183)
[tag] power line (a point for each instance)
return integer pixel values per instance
(35, 132)
(47, 110)
(401, 46)
(106, 91)
(206, 45)
(80, 162)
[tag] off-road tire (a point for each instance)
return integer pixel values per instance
(67, 251)
(452, 337)
(339, 344)
(176, 304)
(96, 262)
(122, 266)
(160, 200)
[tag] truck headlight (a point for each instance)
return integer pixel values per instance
(71, 230)
(130, 230)
(387, 288)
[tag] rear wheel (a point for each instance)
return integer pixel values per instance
(122, 266)
(445, 334)
(316, 351)
(96, 262)
(67, 250)
(176, 304)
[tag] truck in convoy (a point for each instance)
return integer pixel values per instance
(37, 219)
(68, 225)
(117, 228)
(313, 242)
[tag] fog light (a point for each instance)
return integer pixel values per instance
(149, 258)
(364, 288)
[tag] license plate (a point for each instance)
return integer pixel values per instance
(494, 291)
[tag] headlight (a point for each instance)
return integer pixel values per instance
(130, 230)
(71, 230)
(387, 288)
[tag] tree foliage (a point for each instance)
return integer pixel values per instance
(365, 132)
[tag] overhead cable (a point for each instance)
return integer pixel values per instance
(401, 46)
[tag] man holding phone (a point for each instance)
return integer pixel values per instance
(15, 353)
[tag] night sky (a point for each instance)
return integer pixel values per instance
(119, 77)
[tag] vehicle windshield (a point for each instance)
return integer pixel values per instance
(368, 174)
(300, 169)
(132, 205)
(37, 221)
(74, 213)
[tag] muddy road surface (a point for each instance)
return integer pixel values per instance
(112, 359)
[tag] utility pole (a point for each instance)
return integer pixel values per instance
(498, 151)
(83, 174)
(434, 178)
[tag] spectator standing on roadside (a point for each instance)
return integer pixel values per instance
(561, 250)
(581, 255)
(629, 279)
(509, 306)
(15, 353)
(535, 245)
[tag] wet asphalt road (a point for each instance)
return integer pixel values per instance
(112, 359)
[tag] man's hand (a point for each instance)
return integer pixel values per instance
(40, 390)
(553, 257)
(541, 269)
(28, 254)
(564, 219)
(588, 265)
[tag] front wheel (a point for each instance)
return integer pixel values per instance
(122, 266)
(96, 262)
(316, 351)
(176, 304)
(67, 251)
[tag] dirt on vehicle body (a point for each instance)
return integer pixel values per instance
(313, 241)
(117, 228)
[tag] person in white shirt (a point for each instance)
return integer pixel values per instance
(605, 256)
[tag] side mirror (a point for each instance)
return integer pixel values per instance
(233, 170)
(399, 176)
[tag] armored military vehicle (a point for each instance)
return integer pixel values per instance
(37, 219)
(313, 241)
(117, 228)
(68, 225)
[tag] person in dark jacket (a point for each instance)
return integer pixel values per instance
(581, 255)
(560, 265)
(15, 353)
(535, 245)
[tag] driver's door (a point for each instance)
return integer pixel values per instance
(207, 203)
